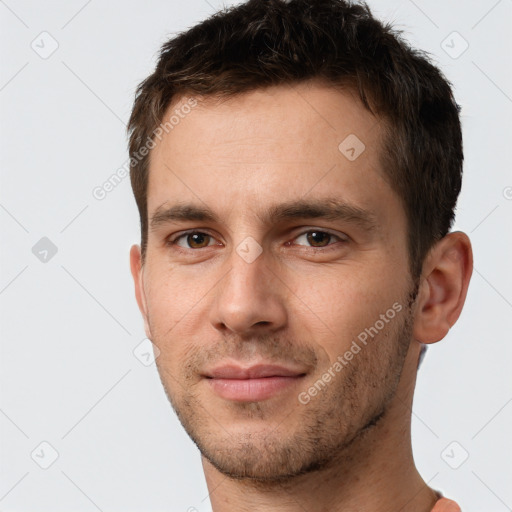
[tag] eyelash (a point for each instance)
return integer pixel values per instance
(173, 242)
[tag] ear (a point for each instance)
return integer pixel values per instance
(137, 271)
(443, 287)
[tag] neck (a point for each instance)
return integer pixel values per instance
(376, 473)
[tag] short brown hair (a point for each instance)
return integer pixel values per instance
(270, 42)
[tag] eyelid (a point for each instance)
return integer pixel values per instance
(172, 240)
(308, 229)
(340, 236)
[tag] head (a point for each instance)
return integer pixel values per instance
(296, 167)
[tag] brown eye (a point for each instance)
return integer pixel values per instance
(198, 240)
(193, 240)
(318, 238)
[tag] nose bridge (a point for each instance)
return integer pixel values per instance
(248, 296)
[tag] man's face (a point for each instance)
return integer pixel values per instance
(252, 306)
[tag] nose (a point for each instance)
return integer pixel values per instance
(250, 299)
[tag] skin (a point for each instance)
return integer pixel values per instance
(349, 447)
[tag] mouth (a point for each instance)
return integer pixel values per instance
(254, 383)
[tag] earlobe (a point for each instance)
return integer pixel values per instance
(443, 287)
(137, 271)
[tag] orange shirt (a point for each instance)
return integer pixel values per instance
(446, 505)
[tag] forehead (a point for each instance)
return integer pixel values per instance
(287, 141)
(289, 114)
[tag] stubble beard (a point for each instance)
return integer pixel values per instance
(324, 430)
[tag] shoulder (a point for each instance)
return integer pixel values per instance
(446, 505)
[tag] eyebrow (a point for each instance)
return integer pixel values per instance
(331, 209)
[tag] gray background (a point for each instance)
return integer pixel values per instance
(70, 324)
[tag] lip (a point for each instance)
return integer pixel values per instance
(252, 384)
(258, 371)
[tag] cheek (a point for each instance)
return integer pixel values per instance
(169, 302)
(337, 307)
